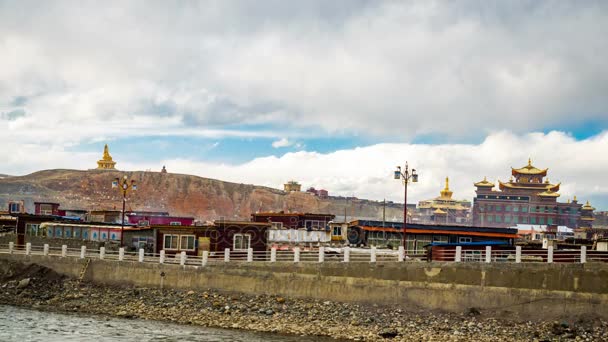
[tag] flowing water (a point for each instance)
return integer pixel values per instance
(18, 324)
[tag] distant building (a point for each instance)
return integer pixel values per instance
(145, 220)
(164, 170)
(444, 209)
(527, 199)
(106, 162)
(292, 186)
(322, 193)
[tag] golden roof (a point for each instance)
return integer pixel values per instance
(529, 170)
(439, 211)
(529, 186)
(548, 193)
(446, 193)
(587, 206)
(484, 183)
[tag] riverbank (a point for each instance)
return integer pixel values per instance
(38, 287)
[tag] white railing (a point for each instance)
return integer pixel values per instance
(484, 254)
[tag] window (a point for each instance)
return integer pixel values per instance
(186, 242)
(314, 225)
(515, 208)
(499, 208)
(337, 231)
(498, 218)
(171, 242)
(507, 219)
(541, 220)
(175, 223)
(490, 218)
(464, 239)
(68, 232)
(276, 225)
(508, 208)
(143, 223)
(524, 209)
(550, 220)
(241, 242)
(515, 219)
(46, 209)
(532, 220)
(14, 207)
(32, 229)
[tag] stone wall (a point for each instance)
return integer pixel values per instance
(523, 291)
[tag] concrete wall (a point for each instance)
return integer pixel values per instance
(523, 291)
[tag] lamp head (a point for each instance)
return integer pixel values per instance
(398, 174)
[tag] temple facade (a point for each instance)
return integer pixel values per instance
(444, 209)
(106, 162)
(528, 198)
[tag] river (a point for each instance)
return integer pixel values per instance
(19, 324)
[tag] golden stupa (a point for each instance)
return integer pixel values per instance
(106, 162)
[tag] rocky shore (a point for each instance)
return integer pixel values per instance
(41, 288)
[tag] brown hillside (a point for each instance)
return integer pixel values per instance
(203, 198)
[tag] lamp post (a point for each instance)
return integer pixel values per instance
(406, 176)
(124, 186)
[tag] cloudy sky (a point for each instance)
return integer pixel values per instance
(333, 94)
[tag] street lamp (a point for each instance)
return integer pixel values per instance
(123, 185)
(406, 177)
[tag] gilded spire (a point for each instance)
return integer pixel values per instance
(446, 193)
(106, 162)
(530, 162)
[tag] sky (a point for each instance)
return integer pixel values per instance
(333, 94)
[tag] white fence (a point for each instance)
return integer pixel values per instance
(322, 255)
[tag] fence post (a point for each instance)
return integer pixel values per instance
(102, 252)
(550, 254)
(373, 255)
(28, 248)
(46, 249)
(346, 254)
(205, 258)
(249, 254)
(64, 251)
(296, 254)
(141, 255)
(161, 259)
(488, 253)
(121, 254)
(273, 254)
(321, 254)
(227, 255)
(583, 254)
(401, 253)
(182, 258)
(83, 252)
(458, 256)
(11, 247)
(517, 254)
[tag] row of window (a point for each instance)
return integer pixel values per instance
(525, 209)
(526, 219)
(72, 232)
(183, 242)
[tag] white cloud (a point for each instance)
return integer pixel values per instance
(283, 142)
(366, 172)
(375, 68)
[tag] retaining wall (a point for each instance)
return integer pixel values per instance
(527, 291)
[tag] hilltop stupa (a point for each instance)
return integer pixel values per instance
(106, 162)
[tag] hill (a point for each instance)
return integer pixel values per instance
(183, 195)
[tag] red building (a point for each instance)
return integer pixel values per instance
(282, 220)
(528, 198)
(234, 235)
(47, 208)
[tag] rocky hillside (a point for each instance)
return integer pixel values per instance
(203, 198)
